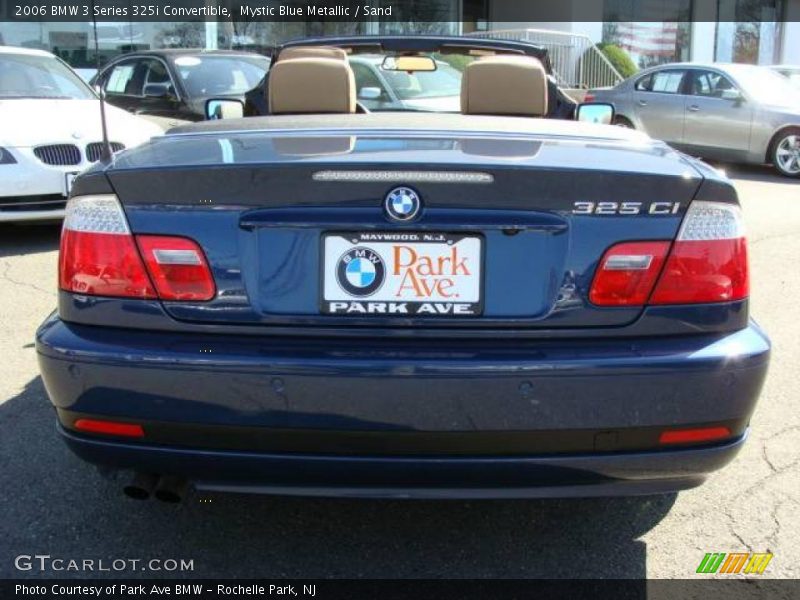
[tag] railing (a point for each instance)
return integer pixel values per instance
(576, 61)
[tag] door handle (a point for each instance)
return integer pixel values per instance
(694, 108)
(642, 102)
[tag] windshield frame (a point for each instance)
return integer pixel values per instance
(70, 75)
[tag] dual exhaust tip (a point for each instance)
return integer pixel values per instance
(167, 488)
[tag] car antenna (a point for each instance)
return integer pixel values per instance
(105, 152)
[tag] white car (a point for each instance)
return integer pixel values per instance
(50, 131)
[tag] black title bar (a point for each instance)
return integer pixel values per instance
(401, 11)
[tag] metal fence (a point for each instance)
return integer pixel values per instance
(576, 61)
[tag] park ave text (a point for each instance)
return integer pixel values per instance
(167, 589)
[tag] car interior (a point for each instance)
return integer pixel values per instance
(320, 80)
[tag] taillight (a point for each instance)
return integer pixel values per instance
(99, 256)
(627, 273)
(708, 261)
(178, 267)
(589, 97)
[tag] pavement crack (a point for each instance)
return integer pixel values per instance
(5, 276)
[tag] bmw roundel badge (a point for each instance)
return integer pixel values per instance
(402, 204)
(360, 271)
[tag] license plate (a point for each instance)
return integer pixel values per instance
(402, 274)
(68, 179)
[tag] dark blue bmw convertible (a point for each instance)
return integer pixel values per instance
(326, 300)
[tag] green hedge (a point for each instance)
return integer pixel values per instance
(619, 58)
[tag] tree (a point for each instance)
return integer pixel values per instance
(619, 58)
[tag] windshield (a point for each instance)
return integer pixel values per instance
(444, 81)
(27, 76)
(766, 86)
(220, 75)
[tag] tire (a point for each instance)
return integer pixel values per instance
(785, 152)
(623, 122)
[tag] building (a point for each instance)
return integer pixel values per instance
(752, 31)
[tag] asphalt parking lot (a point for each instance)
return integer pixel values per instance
(54, 504)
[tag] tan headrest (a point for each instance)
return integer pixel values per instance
(312, 52)
(311, 85)
(504, 85)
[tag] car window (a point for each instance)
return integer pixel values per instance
(645, 84)
(220, 75)
(365, 77)
(710, 84)
(156, 72)
(667, 82)
(120, 79)
(26, 76)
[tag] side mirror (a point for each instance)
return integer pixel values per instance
(595, 112)
(227, 108)
(156, 90)
(732, 94)
(369, 93)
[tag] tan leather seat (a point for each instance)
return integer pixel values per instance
(311, 85)
(312, 52)
(504, 85)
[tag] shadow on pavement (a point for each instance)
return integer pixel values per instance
(55, 504)
(16, 240)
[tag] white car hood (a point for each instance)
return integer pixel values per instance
(27, 122)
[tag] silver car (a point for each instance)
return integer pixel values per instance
(729, 112)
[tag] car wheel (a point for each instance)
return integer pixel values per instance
(623, 122)
(786, 153)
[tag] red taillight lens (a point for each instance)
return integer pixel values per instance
(589, 97)
(627, 273)
(178, 267)
(708, 262)
(98, 255)
(694, 436)
(109, 427)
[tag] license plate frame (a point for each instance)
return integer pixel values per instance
(377, 241)
(69, 179)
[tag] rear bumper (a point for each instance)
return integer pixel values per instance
(554, 476)
(405, 417)
(32, 215)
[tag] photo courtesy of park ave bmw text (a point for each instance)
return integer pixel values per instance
(359, 299)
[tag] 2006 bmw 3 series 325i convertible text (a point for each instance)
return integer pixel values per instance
(331, 301)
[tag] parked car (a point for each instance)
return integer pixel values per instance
(730, 112)
(321, 301)
(383, 89)
(50, 130)
(172, 85)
